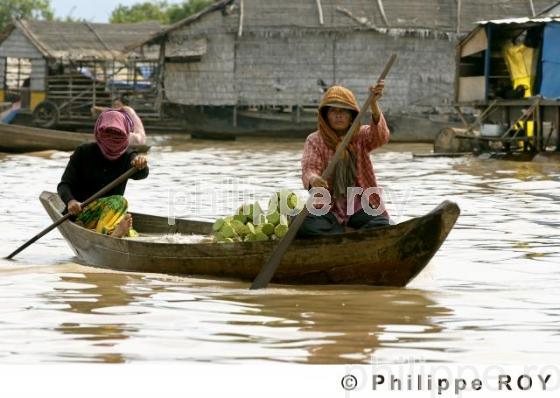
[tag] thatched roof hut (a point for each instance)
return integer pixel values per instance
(73, 40)
(33, 54)
(264, 53)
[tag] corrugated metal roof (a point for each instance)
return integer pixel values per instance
(84, 40)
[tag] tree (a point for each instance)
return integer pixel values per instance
(160, 11)
(148, 11)
(33, 9)
(176, 12)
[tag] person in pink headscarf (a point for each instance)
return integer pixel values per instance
(93, 166)
(137, 133)
(112, 132)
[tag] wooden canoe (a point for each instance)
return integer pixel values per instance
(387, 256)
(19, 139)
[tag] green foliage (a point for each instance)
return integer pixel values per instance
(147, 11)
(30, 9)
(160, 11)
(176, 12)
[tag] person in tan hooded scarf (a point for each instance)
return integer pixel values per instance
(353, 192)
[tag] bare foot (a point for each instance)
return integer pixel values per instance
(124, 226)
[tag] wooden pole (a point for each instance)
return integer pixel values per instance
(532, 5)
(461, 115)
(480, 118)
(161, 76)
(267, 271)
(95, 196)
(240, 29)
(537, 127)
(320, 9)
(558, 128)
(382, 12)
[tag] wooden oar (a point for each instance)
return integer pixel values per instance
(267, 271)
(95, 196)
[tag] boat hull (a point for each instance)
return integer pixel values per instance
(387, 256)
(214, 122)
(20, 139)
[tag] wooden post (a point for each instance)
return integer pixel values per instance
(334, 58)
(19, 77)
(70, 92)
(94, 98)
(458, 16)
(112, 91)
(5, 77)
(537, 126)
(134, 78)
(558, 128)
(550, 133)
(487, 63)
(160, 87)
(235, 116)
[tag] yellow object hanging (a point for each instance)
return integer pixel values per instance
(521, 63)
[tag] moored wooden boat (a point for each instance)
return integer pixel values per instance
(19, 139)
(387, 256)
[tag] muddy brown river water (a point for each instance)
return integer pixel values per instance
(490, 295)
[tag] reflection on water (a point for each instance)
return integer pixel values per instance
(84, 294)
(117, 317)
(489, 295)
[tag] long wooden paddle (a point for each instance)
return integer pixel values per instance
(95, 196)
(267, 271)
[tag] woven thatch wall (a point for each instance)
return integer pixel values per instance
(284, 50)
(210, 81)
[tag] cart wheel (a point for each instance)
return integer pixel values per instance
(46, 114)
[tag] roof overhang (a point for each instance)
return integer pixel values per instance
(159, 36)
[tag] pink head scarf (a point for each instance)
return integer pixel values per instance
(112, 131)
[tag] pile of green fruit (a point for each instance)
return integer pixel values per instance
(251, 223)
